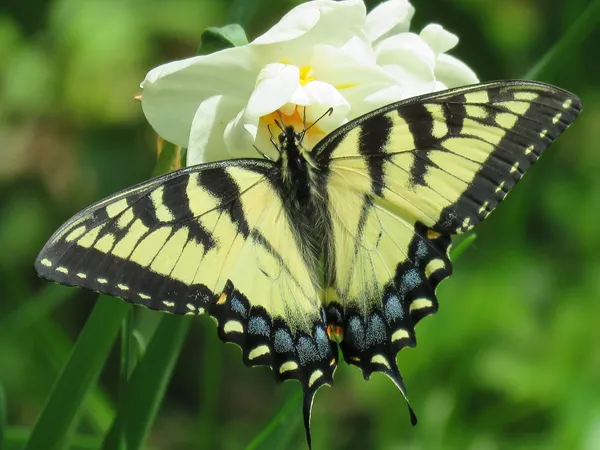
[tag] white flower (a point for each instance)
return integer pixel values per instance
(323, 54)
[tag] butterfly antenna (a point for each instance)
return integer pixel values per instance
(282, 124)
(326, 113)
(272, 138)
(263, 154)
(304, 121)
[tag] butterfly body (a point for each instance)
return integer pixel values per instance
(340, 246)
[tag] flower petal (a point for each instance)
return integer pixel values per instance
(406, 49)
(240, 136)
(352, 78)
(275, 86)
(388, 18)
(385, 96)
(453, 72)
(208, 128)
(359, 49)
(317, 22)
(310, 16)
(322, 96)
(410, 60)
(173, 92)
(439, 39)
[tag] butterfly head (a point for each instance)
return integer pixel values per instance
(289, 138)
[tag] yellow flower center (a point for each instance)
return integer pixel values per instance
(306, 75)
(296, 118)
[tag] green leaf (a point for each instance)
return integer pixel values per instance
(147, 385)
(559, 55)
(463, 245)
(214, 39)
(79, 374)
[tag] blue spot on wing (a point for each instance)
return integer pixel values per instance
(238, 307)
(376, 332)
(421, 251)
(258, 325)
(322, 342)
(356, 333)
(283, 341)
(393, 309)
(409, 280)
(307, 351)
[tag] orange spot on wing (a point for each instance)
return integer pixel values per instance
(433, 234)
(335, 332)
(222, 298)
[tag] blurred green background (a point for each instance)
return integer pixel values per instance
(512, 359)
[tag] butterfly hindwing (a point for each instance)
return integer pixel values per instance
(401, 180)
(212, 238)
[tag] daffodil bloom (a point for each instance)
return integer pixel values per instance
(322, 54)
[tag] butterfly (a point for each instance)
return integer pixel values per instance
(341, 246)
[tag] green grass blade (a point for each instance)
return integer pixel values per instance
(556, 58)
(209, 389)
(79, 374)
(33, 317)
(147, 384)
(16, 437)
(57, 346)
(125, 363)
(278, 431)
(126, 351)
(457, 251)
(2, 416)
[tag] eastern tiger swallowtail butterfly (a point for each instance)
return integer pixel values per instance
(342, 245)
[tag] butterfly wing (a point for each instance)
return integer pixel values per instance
(400, 181)
(211, 238)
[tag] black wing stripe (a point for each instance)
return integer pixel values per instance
(454, 114)
(374, 135)
(220, 183)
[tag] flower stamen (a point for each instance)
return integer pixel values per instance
(295, 120)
